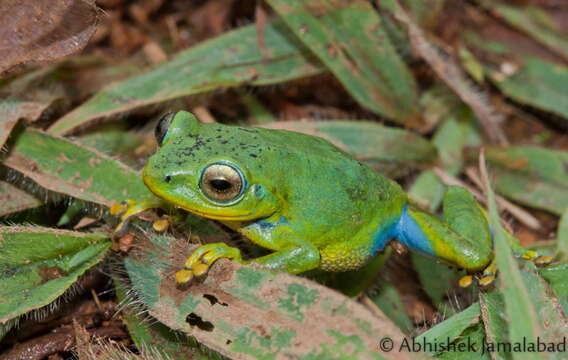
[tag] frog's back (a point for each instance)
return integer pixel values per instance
(341, 202)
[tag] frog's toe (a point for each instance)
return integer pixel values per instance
(199, 262)
(161, 225)
(466, 281)
(128, 208)
(543, 260)
(530, 255)
(200, 269)
(486, 280)
(538, 260)
(184, 276)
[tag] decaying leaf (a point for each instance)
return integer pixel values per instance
(43, 30)
(248, 312)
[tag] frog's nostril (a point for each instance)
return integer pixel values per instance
(168, 178)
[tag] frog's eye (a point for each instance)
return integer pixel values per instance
(162, 127)
(221, 183)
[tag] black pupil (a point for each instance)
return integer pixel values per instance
(220, 185)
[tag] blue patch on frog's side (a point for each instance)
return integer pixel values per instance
(383, 236)
(409, 233)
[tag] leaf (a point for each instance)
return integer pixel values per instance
(390, 302)
(468, 346)
(437, 280)
(367, 141)
(451, 328)
(494, 321)
(43, 30)
(562, 244)
(457, 132)
(248, 312)
(152, 337)
(426, 12)
(67, 168)
(556, 276)
(522, 313)
(534, 21)
(26, 99)
(349, 38)
(13, 200)
(532, 176)
(537, 83)
(229, 60)
(37, 265)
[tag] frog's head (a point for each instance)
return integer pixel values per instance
(209, 170)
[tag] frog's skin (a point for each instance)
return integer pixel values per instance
(312, 204)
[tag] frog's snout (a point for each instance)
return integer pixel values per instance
(152, 181)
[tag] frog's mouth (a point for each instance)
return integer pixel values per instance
(216, 216)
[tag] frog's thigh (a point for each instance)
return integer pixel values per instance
(344, 256)
(465, 216)
(425, 233)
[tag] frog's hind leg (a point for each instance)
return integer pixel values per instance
(463, 239)
(465, 216)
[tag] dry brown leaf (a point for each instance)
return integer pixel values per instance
(43, 30)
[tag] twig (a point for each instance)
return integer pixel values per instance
(203, 114)
(452, 74)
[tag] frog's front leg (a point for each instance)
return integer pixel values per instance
(292, 256)
(128, 208)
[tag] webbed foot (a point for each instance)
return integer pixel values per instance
(489, 273)
(485, 279)
(538, 260)
(198, 263)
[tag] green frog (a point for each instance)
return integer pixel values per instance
(313, 205)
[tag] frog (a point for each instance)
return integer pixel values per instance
(313, 205)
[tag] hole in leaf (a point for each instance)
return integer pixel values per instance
(213, 300)
(195, 320)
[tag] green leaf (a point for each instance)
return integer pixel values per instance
(369, 142)
(556, 276)
(231, 59)
(350, 39)
(538, 83)
(390, 302)
(494, 321)
(562, 244)
(468, 346)
(437, 280)
(152, 337)
(451, 328)
(37, 265)
(457, 132)
(534, 21)
(532, 176)
(65, 167)
(522, 313)
(248, 312)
